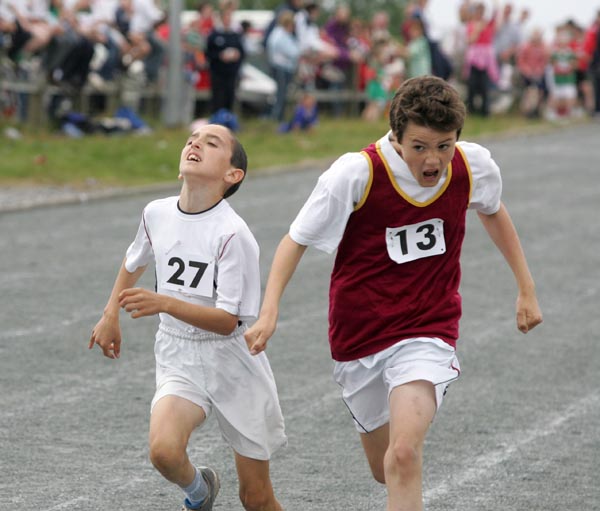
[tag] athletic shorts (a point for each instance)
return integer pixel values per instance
(367, 382)
(566, 91)
(219, 374)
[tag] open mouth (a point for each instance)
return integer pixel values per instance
(430, 174)
(193, 157)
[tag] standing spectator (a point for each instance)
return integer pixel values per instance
(563, 92)
(481, 66)
(533, 58)
(417, 53)
(506, 41)
(585, 93)
(225, 54)
(293, 6)
(592, 48)
(283, 52)
(339, 72)
(195, 36)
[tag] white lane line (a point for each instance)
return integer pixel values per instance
(485, 463)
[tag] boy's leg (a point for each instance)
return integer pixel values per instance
(256, 490)
(172, 421)
(375, 445)
(412, 408)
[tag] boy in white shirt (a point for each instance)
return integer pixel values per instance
(208, 288)
(395, 213)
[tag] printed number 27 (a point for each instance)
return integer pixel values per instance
(176, 261)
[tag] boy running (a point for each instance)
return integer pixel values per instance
(395, 213)
(208, 288)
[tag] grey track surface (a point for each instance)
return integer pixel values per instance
(518, 432)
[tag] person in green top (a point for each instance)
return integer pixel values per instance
(563, 91)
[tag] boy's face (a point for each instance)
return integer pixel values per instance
(207, 154)
(426, 152)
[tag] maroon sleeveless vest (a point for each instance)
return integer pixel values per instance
(397, 268)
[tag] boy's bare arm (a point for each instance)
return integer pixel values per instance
(286, 259)
(143, 302)
(501, 229)
(107, 332)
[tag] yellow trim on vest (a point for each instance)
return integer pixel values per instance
(407, 197)
(468, 167)
(363, 199)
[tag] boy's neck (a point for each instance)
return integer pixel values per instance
(197, 200)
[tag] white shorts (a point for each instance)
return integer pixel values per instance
(566, 91)
(367, 382)
(219, 373)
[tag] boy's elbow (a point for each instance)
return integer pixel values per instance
(229, 324)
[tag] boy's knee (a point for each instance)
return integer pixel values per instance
(402, 458)
(165, 455)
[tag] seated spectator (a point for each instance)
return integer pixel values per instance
(306, 115)
(144, 45)
(314, 49)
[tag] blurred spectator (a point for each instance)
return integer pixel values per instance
(283, 52)
(506, 41)
(338, 73)
(585, 92)
(417, 53)
(533, 57)
(306, 115)
(481, 66)
(225, 53)
(139, 18)
(294, 6)
(563, 91)
(195, 36)
(314, 50)
(592, 48)
(377, 92)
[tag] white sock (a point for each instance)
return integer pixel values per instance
(197, 491)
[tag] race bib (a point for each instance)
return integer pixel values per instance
(416, 241)
(190, 274)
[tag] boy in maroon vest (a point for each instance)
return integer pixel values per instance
(395, 213)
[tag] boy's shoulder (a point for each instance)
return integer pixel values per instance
(161, 204)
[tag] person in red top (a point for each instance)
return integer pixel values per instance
(533, 58)
(591, 46)
(396, 212)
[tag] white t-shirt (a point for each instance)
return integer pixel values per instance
(145, 15)
(322, 220)
(208, 258)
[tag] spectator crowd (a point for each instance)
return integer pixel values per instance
(495, 56)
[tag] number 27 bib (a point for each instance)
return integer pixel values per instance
(416, 241)
(189, 275)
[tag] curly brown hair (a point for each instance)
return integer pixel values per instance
(427, 101)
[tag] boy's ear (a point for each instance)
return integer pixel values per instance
(233, 176)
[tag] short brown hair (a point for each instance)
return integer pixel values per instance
(427, 101)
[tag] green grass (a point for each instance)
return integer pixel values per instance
(127, 160)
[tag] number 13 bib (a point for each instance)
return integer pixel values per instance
(416, 241)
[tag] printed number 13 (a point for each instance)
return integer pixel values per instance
(427, 231)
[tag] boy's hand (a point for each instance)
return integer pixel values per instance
(140, 302)
(258, 334)
(107, 335)
(529, 314)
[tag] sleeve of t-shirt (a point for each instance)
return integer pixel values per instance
(322, 220)
(140, 251)
(487, 181)
(238, 276)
